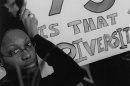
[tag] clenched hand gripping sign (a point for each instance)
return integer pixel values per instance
(87, 30)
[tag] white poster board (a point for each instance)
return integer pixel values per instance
(86, 30)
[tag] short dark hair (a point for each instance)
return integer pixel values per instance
(9, 23)
(19, 2)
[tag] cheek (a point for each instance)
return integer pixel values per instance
(12, 62)
(33, 54)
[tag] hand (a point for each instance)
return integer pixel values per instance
(22, 9)
(30, 23)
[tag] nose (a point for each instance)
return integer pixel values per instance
(26, 55)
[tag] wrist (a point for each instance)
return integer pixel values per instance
(33, 35)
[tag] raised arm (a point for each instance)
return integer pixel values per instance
(66, 71)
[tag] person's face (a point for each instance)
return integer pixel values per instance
(12, 6)
(18, 52)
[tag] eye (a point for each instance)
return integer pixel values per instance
(15, 52)
(28, 45)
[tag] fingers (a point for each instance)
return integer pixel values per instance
(26, 14)
(23, 9)
(31, 17)
(35, 21)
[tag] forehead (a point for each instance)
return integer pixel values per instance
(14, 36)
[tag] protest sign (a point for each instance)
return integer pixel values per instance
(87, 30)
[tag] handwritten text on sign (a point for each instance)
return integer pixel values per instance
(86, 30)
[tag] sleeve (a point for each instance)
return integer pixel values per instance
(66, 71)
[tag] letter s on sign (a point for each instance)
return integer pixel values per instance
(99, 7)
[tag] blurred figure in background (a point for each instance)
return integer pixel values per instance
(11, 8)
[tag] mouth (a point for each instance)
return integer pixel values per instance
(30, 65)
